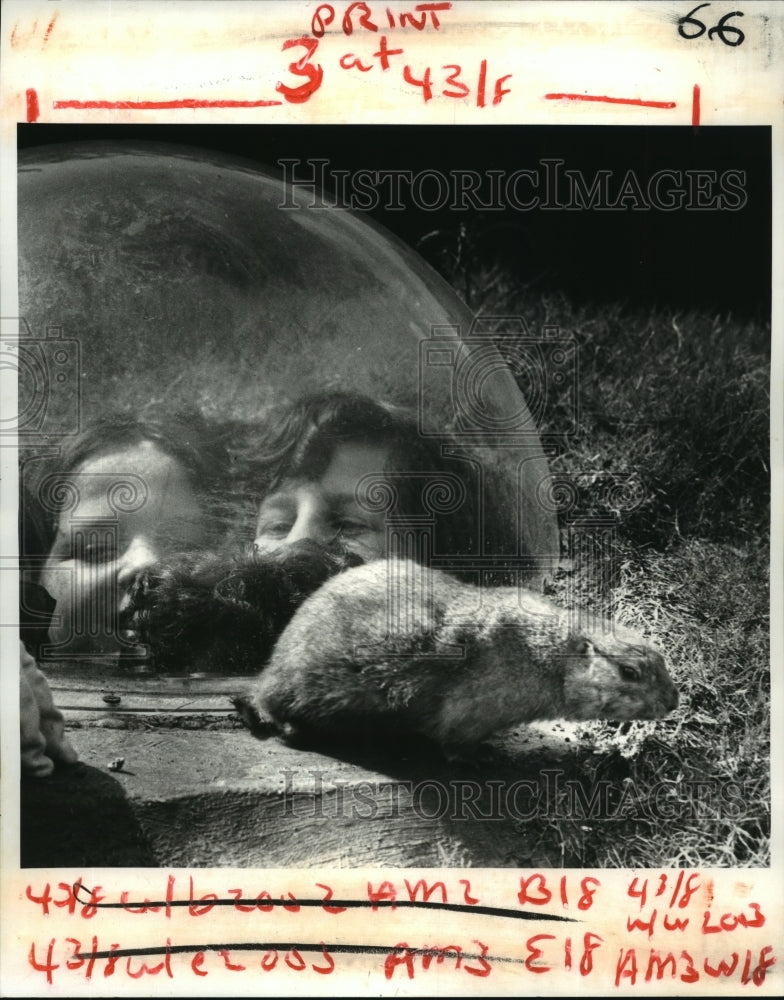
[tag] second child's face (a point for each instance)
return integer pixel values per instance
(109, 537)
(325, 510)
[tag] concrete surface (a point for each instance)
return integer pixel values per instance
(200, 791)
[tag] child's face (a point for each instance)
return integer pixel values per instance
(325, 510)
(101, 548)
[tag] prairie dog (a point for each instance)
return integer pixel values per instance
(335, 671)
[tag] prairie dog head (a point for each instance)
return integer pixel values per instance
(610, 678)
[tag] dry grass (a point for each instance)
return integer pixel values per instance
(693, 789)
(681, 401)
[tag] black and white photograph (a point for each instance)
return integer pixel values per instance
(388, 496)
(405, 487)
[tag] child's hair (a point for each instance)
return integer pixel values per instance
(35, 540)
(300, 444)
(198, 445)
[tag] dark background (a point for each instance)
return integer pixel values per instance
(711, 260)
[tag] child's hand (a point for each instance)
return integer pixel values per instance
(42, 730)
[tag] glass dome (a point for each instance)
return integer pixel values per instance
(182, 275)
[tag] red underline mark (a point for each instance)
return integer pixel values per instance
(695, 106)
(33, 110)
(610, 100)
(188, 102)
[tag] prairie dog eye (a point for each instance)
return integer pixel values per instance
(628, 672)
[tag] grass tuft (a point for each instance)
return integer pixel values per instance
(680, 401)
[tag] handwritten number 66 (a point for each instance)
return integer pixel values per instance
(722, 29)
